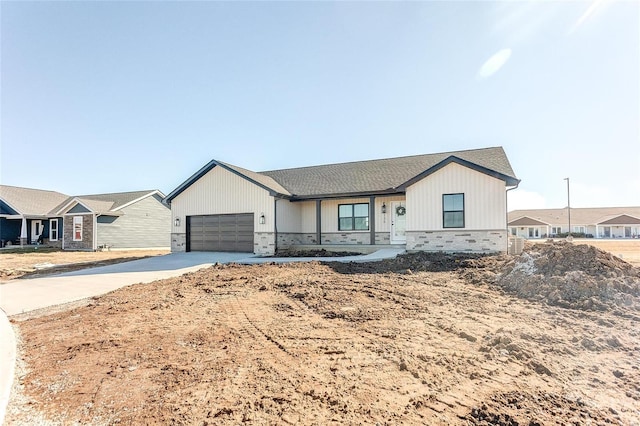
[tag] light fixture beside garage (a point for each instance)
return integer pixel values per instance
(262, 219)
(176, 222)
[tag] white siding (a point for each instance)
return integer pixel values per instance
(308, 216)
(484, 199)
(222, 192)
(383, 221)
(307, 212)
(289, 216)
(330, 213)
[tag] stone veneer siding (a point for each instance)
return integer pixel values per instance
(87, 233)
(264, 243)
(346, 238)
(461, 240)
(290, 239)
(178, 242)
(383, 238)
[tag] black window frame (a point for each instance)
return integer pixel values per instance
(445, 212)
(353, 217)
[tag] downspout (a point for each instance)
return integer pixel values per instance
(275, 225)
(506, 203)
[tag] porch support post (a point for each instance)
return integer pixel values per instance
(23, 231)
(319, 222)
(372, 220)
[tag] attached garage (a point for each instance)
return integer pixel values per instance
(220, 232)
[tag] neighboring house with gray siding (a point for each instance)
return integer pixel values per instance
(125, 220)
(451, 201)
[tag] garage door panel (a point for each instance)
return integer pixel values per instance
(228, 232)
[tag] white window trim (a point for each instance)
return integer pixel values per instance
(77, 220)
(52, 229)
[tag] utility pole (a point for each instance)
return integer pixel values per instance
(568, 209)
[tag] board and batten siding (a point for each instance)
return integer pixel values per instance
(220, 191)
(145, 224)
(289, 216)
(383, 220)
(329, 208)
(484, 199)
(330, 213)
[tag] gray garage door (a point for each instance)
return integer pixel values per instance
(221, 232)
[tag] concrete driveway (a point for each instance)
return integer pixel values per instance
(25, 295)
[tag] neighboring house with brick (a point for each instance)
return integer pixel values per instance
(125, 220)
(596, 222)
(452, 201)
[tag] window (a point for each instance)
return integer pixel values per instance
(578, 229)
(453, 211)
(555, 230)
(353, 217)
(77, 228)
(53, 230)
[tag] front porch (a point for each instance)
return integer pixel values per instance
(22, 231)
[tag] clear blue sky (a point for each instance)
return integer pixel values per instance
(116, 96)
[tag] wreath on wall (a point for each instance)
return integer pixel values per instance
(401, 211)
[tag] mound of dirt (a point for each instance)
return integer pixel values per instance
(409, 263)
(314, 253)
(572, 276)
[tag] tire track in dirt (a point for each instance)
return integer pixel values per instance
(332, 353)
(423, 323)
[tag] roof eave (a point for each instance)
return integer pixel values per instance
(149, 194)
(208, 167)
(190, 181)
(509, 180)
(11, 206)
(65, 209)
(361, 194)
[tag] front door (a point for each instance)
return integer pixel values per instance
(36, 230)
(398, 222)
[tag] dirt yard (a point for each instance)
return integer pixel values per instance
(424, 339)
(45, 261)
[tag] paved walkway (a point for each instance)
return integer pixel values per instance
(24, 295)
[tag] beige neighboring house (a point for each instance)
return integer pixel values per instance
(451, 201)
(596, 222)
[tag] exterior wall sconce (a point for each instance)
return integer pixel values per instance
(384, 208)
(262, 219)
(176, 222)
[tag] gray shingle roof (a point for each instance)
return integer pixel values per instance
(390, 175)
(381, 175)
(117, 199)
(32, 202)
(262, 179)
(37, 202)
